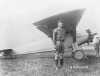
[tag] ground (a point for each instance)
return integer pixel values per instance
(42, 64)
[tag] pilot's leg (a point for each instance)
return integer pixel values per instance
(61, 54)
(61, 59)
(56, 58)
(56, 54)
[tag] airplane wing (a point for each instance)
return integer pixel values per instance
(69, 19)
(36, 46)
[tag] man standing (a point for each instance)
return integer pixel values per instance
(58, 38)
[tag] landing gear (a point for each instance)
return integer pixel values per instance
(78, 55)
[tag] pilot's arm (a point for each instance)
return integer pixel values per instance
(54, 36)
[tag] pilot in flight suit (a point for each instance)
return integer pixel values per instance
(58, 38)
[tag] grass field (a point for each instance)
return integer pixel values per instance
(42, 64)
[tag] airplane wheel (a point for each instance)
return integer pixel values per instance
(78, 55)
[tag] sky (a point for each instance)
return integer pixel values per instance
(17, 16)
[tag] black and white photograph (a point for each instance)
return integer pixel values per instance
(49, 38)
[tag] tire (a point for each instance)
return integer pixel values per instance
(78, 55)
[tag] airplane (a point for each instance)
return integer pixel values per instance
(70, 20)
